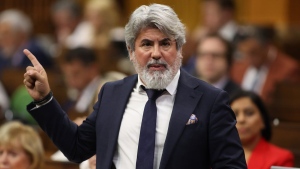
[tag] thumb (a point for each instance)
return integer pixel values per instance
(36, 75)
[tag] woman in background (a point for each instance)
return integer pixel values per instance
(254, 128)
(20, 147)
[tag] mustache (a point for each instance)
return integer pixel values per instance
(154, 62)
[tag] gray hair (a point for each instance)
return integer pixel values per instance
(157, 16)
(17, 20)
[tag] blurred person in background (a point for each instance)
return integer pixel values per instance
(103, 15)
(254, 128)
(217, 18)
(15, 35)
(108, 39)
(20, 147)
(70, 29)
(261, 65)
(4, 103)
(84, 81)
(82, 77)
(213, 61)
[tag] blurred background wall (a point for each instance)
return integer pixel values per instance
(278, 13)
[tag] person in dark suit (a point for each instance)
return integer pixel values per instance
(189, 125)
(213, 61)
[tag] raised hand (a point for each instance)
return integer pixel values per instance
(35, 78)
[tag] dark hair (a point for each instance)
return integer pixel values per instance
(224, 4)
(69, 5)
(264, 35)
(85, 55)
(228, 46)
(267, 131)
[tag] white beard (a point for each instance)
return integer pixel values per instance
(157, 79)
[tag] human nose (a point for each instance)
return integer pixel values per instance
(156, 53)
(240, 118)
(3, 158)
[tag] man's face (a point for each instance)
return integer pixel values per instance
(76, 75)
(213, 16)
(64, 21)
(155, 58)
(253, 51)
(9, 39)
(211, 63)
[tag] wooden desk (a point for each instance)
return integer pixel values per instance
(49, 164)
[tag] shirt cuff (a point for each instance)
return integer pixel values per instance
(37, 106)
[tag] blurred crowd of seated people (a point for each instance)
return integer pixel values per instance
(87, 49)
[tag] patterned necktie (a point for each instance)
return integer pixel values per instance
(145, 155)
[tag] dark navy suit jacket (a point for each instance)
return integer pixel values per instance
(212, 142)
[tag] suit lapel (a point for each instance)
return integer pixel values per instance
(187, 97)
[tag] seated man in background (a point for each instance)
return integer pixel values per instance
(213, 61)
(262, 65)
(15, 35)
(82, 76)
(253, 124)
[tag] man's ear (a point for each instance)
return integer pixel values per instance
(180, 51)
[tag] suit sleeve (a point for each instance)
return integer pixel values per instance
(77, 143)
(225, 147)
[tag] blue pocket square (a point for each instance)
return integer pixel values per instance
(193, 119)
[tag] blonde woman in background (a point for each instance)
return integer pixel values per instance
(20, 147)
(103, 15)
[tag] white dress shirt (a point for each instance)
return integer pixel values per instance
(4, 100)
(87, 95)
(229, 30)
(254, 79)
(127, 147)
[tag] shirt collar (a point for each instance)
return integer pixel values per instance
(171, 88)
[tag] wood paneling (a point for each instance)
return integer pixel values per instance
(187, 11)
(294, 12)
(275, 12)
(286, 108)
(37, 10)
(287, 135)
(263, 12)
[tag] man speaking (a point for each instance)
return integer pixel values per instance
(161, 118)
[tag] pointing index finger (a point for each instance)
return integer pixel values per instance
(33, 59)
